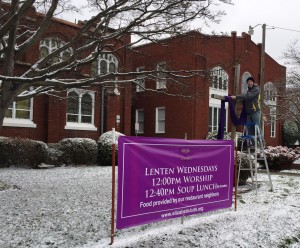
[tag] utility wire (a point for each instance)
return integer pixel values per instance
(272, 27)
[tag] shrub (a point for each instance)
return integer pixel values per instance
(22, 152)
(279, 157)
(290, 133)
(55, 156)
(77, 151)
(105, 148)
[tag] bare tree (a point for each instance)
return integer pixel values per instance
(146, 20)
(290, 99)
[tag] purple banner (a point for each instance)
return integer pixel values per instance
(161, 178)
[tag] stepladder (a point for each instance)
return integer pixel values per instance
(252, 150)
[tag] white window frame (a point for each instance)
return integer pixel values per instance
(159, 121)
(270, 92)
(53, 44)
(273, 126)
(140, 81)
(108, 58)
(19, 122)
(244, 85)
(218, 74)
(79, 125)
(213, 120)
(273, 122)
(161, 81)
(140, 121)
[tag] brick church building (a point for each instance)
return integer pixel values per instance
(134, 110)
(164, 115)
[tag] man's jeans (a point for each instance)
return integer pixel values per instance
(255, 118)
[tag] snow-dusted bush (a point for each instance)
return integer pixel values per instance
(55, 156)
(280, 157)
(22, 152)
(105, 147)
(78, 151)
(214, 134)
(290, 132)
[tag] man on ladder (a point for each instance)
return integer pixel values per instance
(252, 104)
(252, 127)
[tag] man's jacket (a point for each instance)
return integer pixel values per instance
(252, 99)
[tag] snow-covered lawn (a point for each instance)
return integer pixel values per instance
(70, 207)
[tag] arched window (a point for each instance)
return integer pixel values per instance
(270, 93)
(244, 85)
(106, 63)
(270, 99)
(49, 45)
(219, 78)
(80, 107)
(219, 86)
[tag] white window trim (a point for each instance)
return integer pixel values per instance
(161, 83)
(17, 122)
(51, 47)
(137, 120)
(78, 125)
(218, 118)
(156, 120)
(219, 72)
(12, 122)
(273, 127)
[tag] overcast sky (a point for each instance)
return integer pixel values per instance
(274, 13)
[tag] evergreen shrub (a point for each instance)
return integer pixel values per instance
(105, 143)
(22, 152)
(77, 151)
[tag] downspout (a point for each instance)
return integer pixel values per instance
(102, 110)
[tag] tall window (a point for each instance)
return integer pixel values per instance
(80, 108)
(273, 126)
(160, 120)
(140, 81)
(272, 122)
(139, 119)
(161, 81)
(270, 93)
(219, 86)
(20, 110)
(218, 78)
(214, 116)
(49, 45)
(244, 85)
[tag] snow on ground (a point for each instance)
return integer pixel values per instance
(69, 207)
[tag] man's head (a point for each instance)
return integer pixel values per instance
(250, 81)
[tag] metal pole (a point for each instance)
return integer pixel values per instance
(262, 74)
(113, 189)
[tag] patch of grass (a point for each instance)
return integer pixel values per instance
(290, 241)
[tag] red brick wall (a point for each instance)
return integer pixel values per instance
(198, 52)
(49, 112)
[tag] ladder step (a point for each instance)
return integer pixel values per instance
(250, 150)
